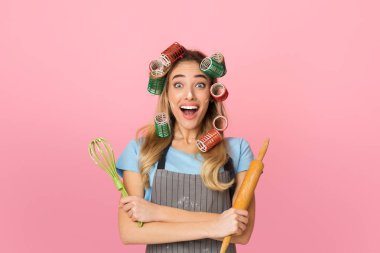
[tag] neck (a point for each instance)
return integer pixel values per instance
(186, 135)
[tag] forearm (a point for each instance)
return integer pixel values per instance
(171, 214)
(160, 232)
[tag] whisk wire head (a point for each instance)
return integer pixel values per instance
(102, 154)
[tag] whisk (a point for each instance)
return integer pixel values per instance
(102, 154)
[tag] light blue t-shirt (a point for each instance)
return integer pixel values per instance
(182, 162)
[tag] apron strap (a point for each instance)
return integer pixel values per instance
(230, 167)
(161, 162)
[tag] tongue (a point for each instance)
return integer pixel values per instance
(188, 112)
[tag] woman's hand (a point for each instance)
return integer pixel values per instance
(139, 209)
(231, 222)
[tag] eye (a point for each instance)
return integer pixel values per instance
(200, 85)
(178, 85)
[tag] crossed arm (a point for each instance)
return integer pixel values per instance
(175, 224)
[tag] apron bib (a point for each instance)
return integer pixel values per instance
(187, 192)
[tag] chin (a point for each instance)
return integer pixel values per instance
(190, 127)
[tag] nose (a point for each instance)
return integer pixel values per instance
(189, 94)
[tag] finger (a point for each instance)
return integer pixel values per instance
(129, 199)
(243, 219)
(237, 211)
(124, 200)
(127, 207)
(133, 218)
(238, 232)
(242, 226)
(130, 214)
(243, 212)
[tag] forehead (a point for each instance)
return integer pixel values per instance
(187, 68)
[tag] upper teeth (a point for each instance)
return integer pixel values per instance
(189, 107)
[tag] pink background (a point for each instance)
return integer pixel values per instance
(300, 72)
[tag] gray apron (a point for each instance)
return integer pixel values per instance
(187, 191)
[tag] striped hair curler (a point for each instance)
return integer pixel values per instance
(209, 140)
(172, 53)
(219, 92)
(161, 124)
(220, 123)
(157, 68)
(156, 84)
(156, 65)
(220, 58)
(211, 67)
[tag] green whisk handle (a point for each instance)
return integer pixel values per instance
(120, 187)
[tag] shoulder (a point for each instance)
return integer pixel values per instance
(134, 144)
(240, 152)
(128, 159)
(233, 140)
(236, 143)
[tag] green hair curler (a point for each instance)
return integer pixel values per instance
(162, 125)
(220, 58)
(156, 84)
(212, 68)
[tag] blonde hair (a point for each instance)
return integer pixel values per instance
(153, 146)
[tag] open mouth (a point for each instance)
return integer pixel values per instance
(189, 110)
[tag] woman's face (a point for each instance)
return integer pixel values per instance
(188, 94)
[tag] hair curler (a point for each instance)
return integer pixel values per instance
(220, 58)
(219, 92)
(172, 53)
(220, 123)
(211, 67)
(157, 68)
(156, 84)
(156, 65)
(161, 124)
(209, 140)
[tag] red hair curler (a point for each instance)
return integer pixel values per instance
(218, 92)
(220, 123)
(209, 140)
(172, 53)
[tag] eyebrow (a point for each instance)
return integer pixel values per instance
(200, 75)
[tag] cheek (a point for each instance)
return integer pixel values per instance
(205, 104)
(171, 97)
(174, 94)
(206, 96)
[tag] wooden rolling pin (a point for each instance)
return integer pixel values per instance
(248, 186)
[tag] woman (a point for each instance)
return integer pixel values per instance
(183, 196)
